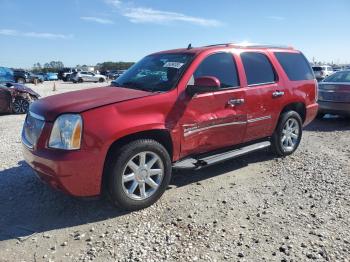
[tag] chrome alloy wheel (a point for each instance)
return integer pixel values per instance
(142, 175)
(290, 135)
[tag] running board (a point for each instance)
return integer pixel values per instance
(217, 158)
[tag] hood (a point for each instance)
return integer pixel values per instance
(22, 88)
(78, 101)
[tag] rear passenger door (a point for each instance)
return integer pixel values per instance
(264, 93)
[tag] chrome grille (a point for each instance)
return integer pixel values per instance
(32, 128)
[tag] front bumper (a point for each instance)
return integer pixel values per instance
(327, 107)
(76, 173)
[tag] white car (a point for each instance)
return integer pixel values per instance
(321, 72)
(84, 76)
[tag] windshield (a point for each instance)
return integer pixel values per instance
(159, 72)
(337, 77)
(6, 75)
(317, 68)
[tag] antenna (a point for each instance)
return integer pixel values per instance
(189, 46)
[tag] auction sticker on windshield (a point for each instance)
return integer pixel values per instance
(176, 65)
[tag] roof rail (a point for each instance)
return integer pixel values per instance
(252, 45)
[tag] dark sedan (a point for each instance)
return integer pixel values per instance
(334, 94)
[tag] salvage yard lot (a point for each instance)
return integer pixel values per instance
(253, 208)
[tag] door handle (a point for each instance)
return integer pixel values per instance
(235, 102)
(277, 94)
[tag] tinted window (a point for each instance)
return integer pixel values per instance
(295, 65)
(339, 77)
(221, 66)
(317, 68)
(258, 68)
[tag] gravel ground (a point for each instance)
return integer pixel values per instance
(255, 208)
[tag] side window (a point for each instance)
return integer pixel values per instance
(258, 68)
(221, 66)
(296, 66)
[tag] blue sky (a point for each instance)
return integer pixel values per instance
(92, 31)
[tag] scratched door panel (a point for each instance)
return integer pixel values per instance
(198, 113)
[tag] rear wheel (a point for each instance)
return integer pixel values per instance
(20, 106)
(80, 80)
(287, 136)
(101, 80)
(139, 173)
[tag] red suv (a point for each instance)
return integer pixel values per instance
(188, 107)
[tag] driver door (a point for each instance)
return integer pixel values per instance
(216, 119)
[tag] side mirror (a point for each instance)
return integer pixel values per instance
(204, 84)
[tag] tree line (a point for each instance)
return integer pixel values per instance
(56, 66)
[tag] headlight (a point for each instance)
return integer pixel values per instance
(66, 132)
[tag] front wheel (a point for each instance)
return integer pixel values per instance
(20, 106)
(101, 80)
(139, 174)
(287, 136)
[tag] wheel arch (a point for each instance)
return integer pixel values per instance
(162, 136)
(298, 107)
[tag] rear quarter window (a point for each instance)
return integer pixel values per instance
(258, 69)
(295, 65)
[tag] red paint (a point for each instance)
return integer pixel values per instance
(112, 113)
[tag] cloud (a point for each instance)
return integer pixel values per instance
(11, 32)
(97, 20)
(115, 3)
(150, 15)
(277, 18)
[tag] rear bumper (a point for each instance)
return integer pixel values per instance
(327, 107)
(76, 173)
(311, 112)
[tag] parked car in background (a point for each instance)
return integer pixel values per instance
(36, 77)
(322, 72)
(338, 68)
(22, 77)
(114, 74)
(14, 97)
(50, 76)
(65, 74)
(85, 76)
(189, 107)
(334, 94)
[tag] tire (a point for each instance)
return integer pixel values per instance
(285, 144)
(124, 189)
(20, 106)
(80, 80)
(20, 80)
(101, 80)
